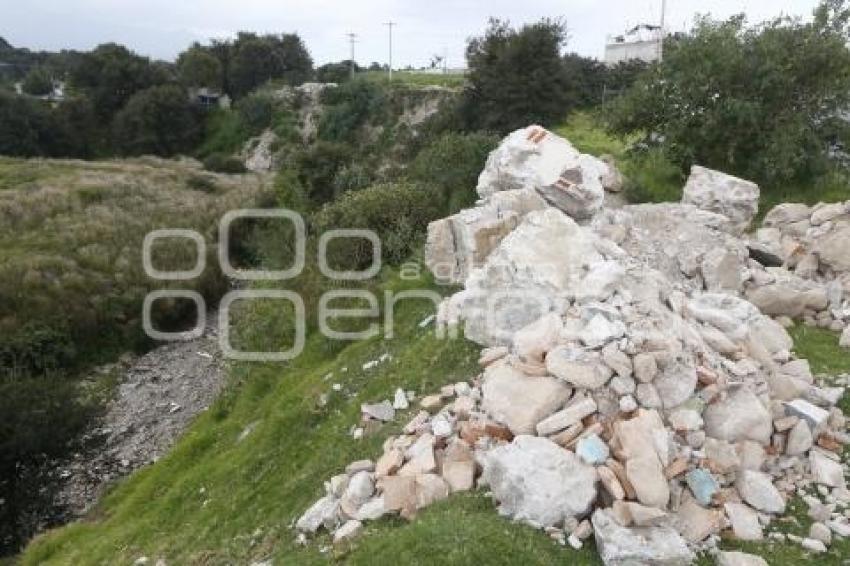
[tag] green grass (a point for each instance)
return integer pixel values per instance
(414, 78)
(834, 186)
(821, 348)
(650, 175)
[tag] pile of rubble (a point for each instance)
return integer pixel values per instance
(638, 383)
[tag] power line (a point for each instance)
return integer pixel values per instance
(352, 39)
(390, 25)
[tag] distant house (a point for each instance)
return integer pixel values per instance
(642, 43)
(209, 98)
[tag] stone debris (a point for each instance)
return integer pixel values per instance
(635, 384)
(739, 559)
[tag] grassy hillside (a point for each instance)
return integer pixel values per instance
(71, 237)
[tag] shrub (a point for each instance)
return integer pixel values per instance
(256, 112)
(317, 166)
(350, 106)
(398, 212)
(223, 163)
(452, 163)
(37, 82)
(336, 72)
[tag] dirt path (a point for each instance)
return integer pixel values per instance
(158, 396)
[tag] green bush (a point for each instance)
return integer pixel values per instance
(338, 72)
(256, 112)
(348, 107)
(223, 133)
(758, 102)
(223, 163)
(398, 213)
(317, 167)
(38, 82)
(453, 163)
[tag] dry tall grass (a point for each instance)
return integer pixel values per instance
(71, 236)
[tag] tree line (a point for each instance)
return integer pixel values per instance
(121, 103)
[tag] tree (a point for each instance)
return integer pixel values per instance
(516, 77)
(258, 59)
(110, 74)
(336, 72)
(760, 102)
(586, 80)
(197, 67)
(38, 82)
(160, 120)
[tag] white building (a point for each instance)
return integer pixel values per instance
(642, 42)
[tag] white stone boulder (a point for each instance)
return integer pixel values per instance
(740, 416)
(536, 481)
(757, 489)
(534, 158)
(787, 213)
(459, 243)
(630, 546)
(533, 269)
(739, 559)
(520, 401)
(735, 198)
(832, 249)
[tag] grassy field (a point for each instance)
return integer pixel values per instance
(420, 79)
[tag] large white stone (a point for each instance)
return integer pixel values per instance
(567, 417)
(745, 521)
(520, 401)
(832, 249)
(757, 489)
(647, 477)
(632, 546)
(324, 512)
(578, 367)
(732, 558)
(724, 194)
(531, 272)
(740, 416)
(536, 481)
(533, 342)
(459, 243)
(534, 158)
(787, 213)
(826, 471)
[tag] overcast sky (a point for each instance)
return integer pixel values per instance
(162, 28)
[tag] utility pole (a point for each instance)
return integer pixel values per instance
(661, 42)
(445, 60)
(352, 39)
(390, 25)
